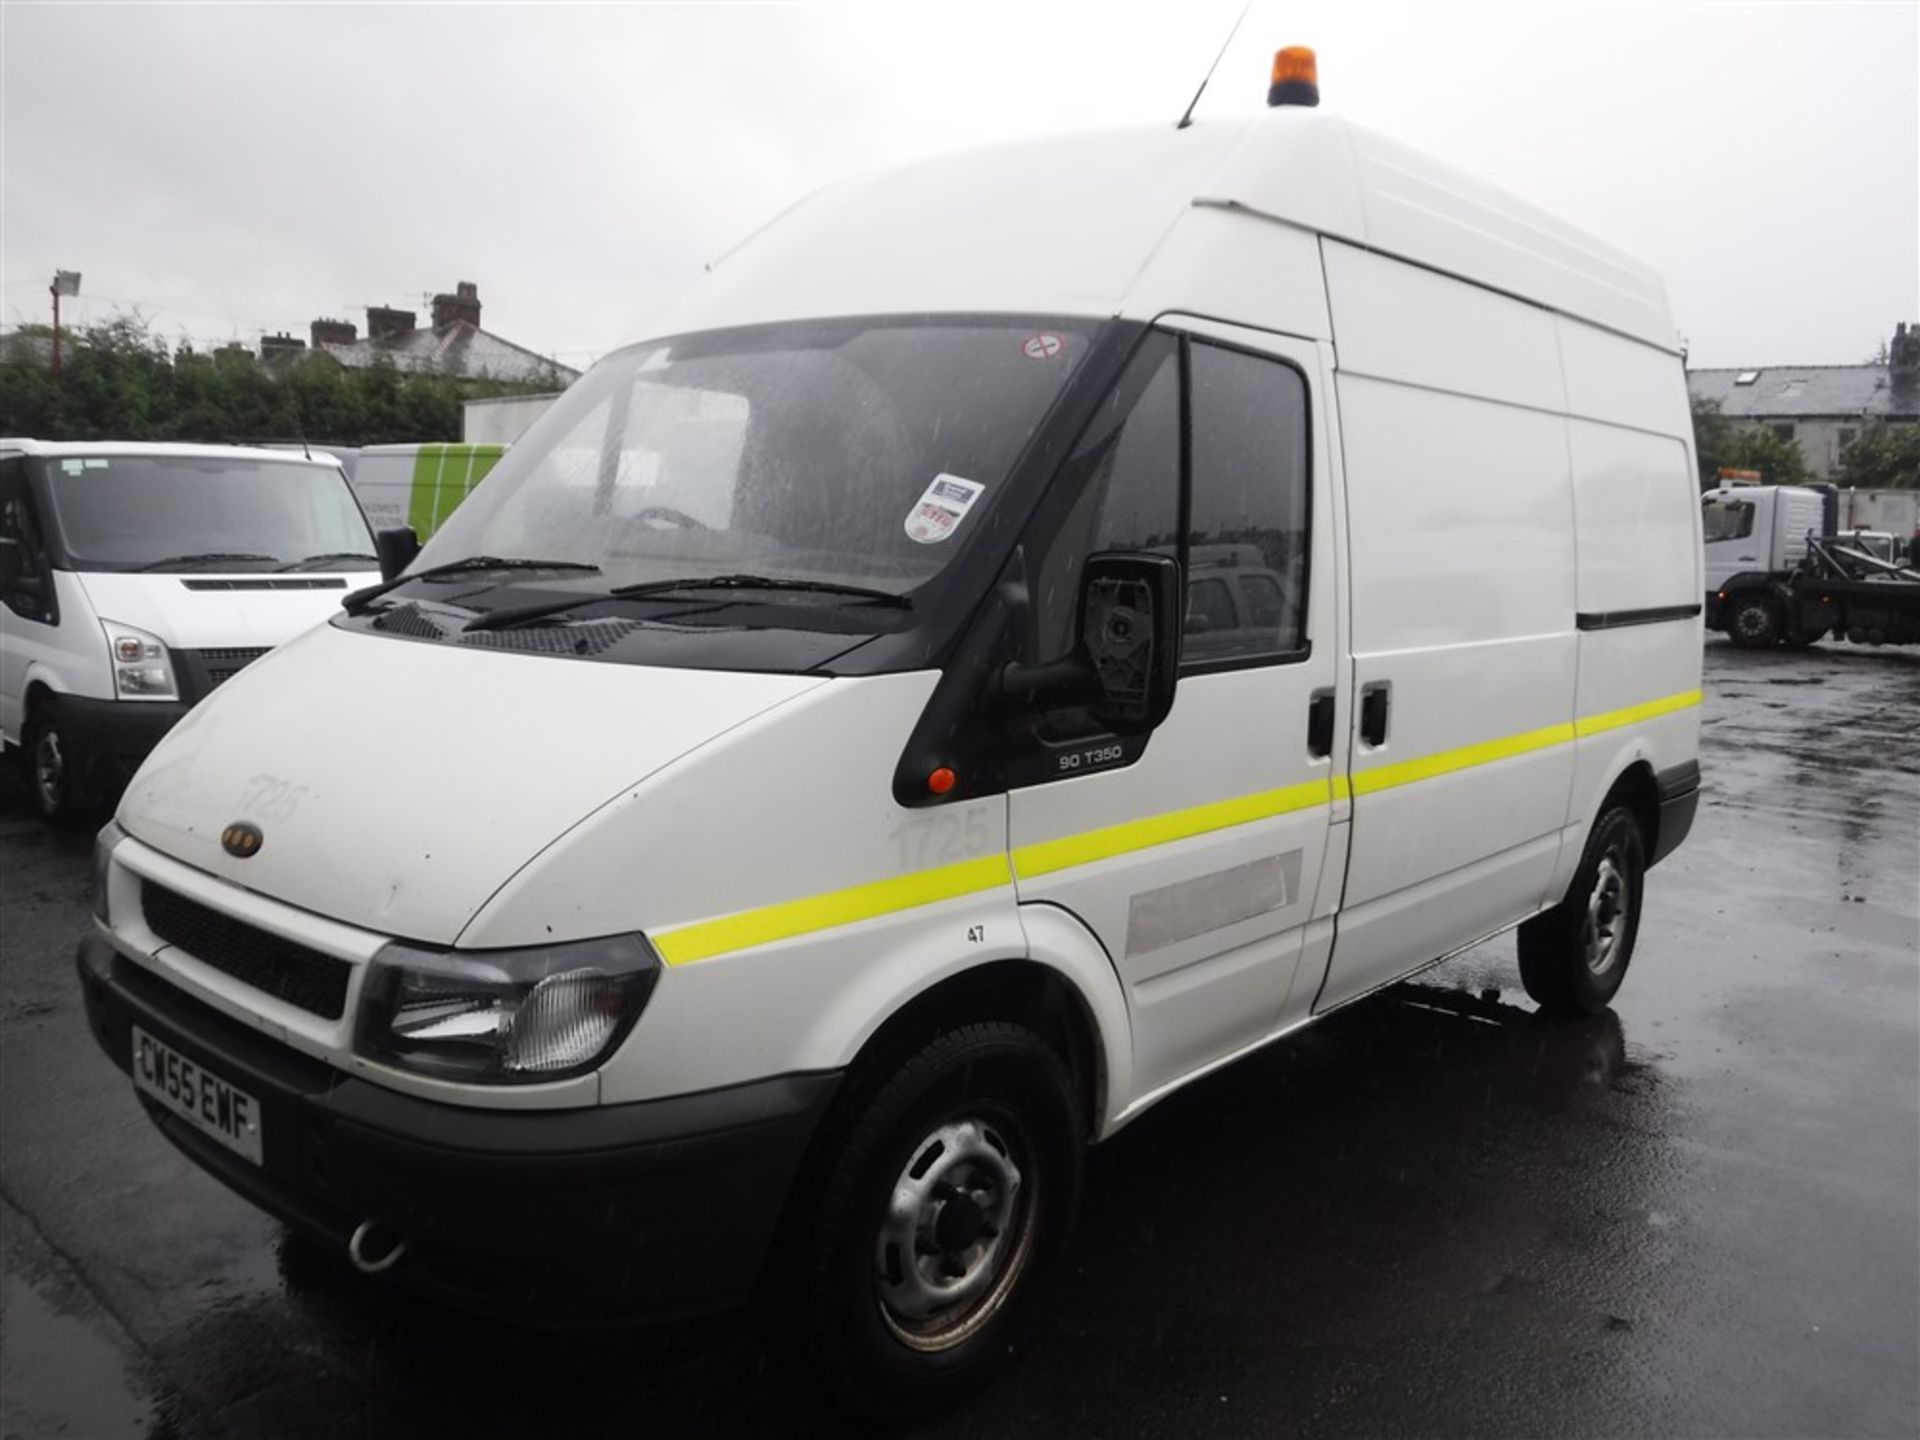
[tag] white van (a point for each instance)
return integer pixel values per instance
(418, 486)
(135, 579)
(808, 805)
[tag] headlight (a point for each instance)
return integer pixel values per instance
(110, 835)
(141, 669)
(504, 1017)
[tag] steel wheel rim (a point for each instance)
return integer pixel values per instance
(957, 1231)
(1604, 931)
(49, 769)
(1753, 621)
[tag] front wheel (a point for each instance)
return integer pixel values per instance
(1753, 623)
(55, 765)
(1573, 957)
(944, 1204)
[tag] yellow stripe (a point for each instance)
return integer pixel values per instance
(1050, 855)
(824, 912)
(707, 938)
(1406, 772)
(1634, 714)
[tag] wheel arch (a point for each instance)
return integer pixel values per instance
(1022, 990)
(1635, 787)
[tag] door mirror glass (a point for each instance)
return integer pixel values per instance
(1130, 636)
(396, 549)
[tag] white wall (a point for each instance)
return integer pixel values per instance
(501, 420)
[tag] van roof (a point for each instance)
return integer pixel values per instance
(55, 449)
(1069, 226)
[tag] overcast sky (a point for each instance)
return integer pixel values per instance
(232, 169)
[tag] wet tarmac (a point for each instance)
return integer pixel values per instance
(1435, 1214)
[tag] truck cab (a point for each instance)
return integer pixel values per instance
(1760, 529)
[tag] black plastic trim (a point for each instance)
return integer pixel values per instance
(1679, 790)
(1617, 619)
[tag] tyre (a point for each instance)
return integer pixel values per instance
(1753, 622)
(55, 766)
(1802, 639)
(945, 1193)
(1573, 957)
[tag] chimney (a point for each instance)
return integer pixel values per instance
(279, 347)
(1903, 356)
(333, 332)
(384, 326)
(463, 304)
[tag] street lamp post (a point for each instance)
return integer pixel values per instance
(65, 282)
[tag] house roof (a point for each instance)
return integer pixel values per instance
(1805, 392)
(458, 348)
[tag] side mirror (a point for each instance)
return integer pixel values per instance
(396, 549)
(1130, 635)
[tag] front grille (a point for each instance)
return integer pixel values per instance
(221, 665)
(316, 983)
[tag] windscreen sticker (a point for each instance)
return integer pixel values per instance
(938, 512)
(1043, 346)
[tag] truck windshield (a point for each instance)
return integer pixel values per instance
(853, 453)
(1726, 520)
(163, 512)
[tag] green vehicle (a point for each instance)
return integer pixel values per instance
(419, 485)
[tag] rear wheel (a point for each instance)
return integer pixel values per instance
(1753, 622)
(946, 1194)
(1573, 958)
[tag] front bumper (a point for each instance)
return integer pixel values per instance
(604, 1215)
(118, 732)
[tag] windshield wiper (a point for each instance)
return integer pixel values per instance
(358, 601)
(210, 557)
(764, 582)
(521, 614)
(307, 560)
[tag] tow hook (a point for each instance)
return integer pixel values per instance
(374, 1248)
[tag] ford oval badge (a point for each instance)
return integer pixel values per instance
(241, 840)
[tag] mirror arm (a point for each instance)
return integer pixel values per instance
(1057, 680)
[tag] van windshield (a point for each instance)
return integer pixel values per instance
(846, 453)
(163, 512)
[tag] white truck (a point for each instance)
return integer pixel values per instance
(1778, 572)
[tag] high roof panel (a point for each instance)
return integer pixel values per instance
(1066, 224)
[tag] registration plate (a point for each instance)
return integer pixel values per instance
(225, 1112)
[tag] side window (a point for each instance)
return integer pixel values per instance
(23, 554)
(1726, 520)
(1127, 467)
(1249, 510)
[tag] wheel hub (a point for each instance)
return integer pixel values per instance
(954, 1236)
(1605, 925)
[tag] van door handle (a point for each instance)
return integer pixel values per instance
(1374, 701)
(1320, 724)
